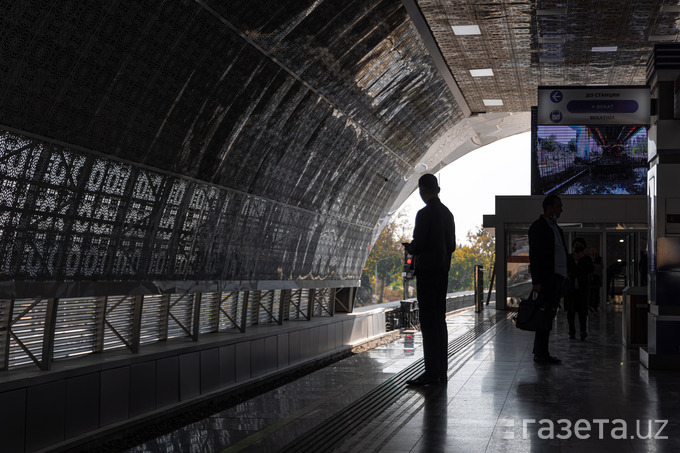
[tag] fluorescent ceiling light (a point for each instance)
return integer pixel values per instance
(551, 12)
(488, 72)
(670, 8)
(605, 49)
(492, 102)
(463, 30)
(662, 37)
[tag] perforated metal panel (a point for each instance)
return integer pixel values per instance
(306, 132)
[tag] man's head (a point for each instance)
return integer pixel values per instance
(552, 206)
(579, 245)
(429, 188)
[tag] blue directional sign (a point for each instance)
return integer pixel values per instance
(556, 96)
(593, 105)
(602, 106)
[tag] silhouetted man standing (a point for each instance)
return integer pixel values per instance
(434, 240)
(548, 266)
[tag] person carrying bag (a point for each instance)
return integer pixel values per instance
(534, 315)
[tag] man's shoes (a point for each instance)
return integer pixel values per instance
(422, 381)
(583, 336)
(547, 359)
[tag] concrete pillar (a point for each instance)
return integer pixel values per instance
(663, 342)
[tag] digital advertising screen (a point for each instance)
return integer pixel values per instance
(589, 160)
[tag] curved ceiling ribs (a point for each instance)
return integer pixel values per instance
(208, 140)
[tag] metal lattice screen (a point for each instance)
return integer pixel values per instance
(67, 214)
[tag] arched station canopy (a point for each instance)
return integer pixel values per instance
(266, 141)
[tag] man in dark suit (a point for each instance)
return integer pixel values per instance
(434, 240)
(548, 266)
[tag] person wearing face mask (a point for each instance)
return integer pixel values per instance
(548, 267)
(579, 267)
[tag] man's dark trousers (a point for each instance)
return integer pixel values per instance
(431, 287)
(550, 294)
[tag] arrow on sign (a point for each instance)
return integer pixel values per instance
(556, 96)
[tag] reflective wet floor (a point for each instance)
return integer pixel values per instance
(496, 400)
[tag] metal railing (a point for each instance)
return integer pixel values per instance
(403, 314)
(41, 330)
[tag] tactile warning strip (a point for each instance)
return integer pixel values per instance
(347, 422)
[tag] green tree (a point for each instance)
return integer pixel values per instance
(481, 251)
(386, 256)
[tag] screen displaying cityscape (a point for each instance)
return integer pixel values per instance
(589, 160)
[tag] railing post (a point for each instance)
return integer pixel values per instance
(331, 301)
(197, 316)
(4, 334)
(282, 303)
(165, 317)
(479, 288)
(100, 324)
(137, 323)
(310, 303)
(244, 311)
(48, 333)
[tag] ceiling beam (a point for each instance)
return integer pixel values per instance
(428, 39)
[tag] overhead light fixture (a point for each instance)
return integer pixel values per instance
(670, 8)
(662, 37)
(492, 102)
(551, 12)
(466, 30)
(488, 72)
(605, 49)
(551, 40)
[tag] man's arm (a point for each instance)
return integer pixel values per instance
(419, 234)
(536, 246)
(452, 236)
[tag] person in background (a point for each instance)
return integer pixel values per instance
(548, 266)
(580, 268)
(434, 240)
(595, 280)
(642, 267)
(616, 269)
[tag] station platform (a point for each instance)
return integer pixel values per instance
(496, 400)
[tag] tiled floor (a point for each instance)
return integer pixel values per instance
(497, 399)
